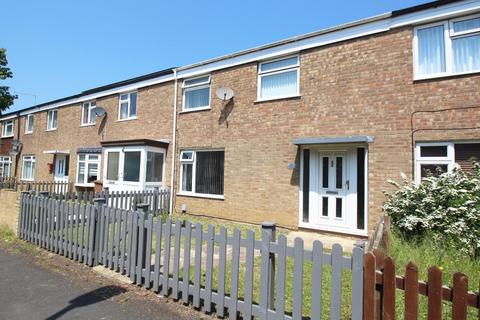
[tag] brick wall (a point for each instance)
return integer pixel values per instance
(359, 87)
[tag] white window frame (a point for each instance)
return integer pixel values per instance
(128, 100)
(449, 35)
(87, 162)
(8, 124)
(262, 74)
(29, 158)
(28, 121)
(197, 86)
(449, 160)
(3, 161)
(50, 120)
(193, 161)
(89, 105)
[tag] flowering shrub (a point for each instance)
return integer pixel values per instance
(446, 207)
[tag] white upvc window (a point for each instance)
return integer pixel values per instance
(7, 129)
(88, 116)
(29, 123)
(88, 169)
(127, 106)
(446, 48)
(196, 93)
(433, 158)
(202, 173)
(279, 78)
(52, 120)
(28, 168)
(5, 166)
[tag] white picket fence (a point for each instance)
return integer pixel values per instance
(162, 255)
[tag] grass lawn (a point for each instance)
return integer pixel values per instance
(425, 255)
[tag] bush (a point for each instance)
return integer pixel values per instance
(446, 207)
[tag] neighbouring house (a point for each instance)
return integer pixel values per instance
(316, 126)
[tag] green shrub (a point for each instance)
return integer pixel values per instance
(446, 207)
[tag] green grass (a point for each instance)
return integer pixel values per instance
(426, 254)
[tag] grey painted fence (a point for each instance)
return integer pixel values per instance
(204, 267)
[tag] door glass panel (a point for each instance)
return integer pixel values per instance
(131, 168)
(112, 166)
(325, 172)
(338, 211)
(339, 173)
(325, 206)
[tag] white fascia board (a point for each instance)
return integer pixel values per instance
(434, 14)
(93, 96)
(9, 117)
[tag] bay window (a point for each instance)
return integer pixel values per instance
(28, 168)
(5, 166)
(88, 116)
(196, 93)
(7, 129)
(279, 78)
(88, 169)
(127, 108)
(154, 167)
(447, 48)
(202, 173)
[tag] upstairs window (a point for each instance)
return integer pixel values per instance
(202, 173)
(196, 93)
(52, 119)
(279, 78)
(7, 129)
(88, 169)
(447, 47)
(88, 116)
(127, 108)
(29, 123)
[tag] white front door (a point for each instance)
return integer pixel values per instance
(61, 168)
(329, 189)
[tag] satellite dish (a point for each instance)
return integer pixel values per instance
(99, 111)
(224, 93)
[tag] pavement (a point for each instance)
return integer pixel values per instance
(32, 291)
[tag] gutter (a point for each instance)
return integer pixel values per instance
(174, 138)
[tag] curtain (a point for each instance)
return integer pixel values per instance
(197, 98)
(209, 172)
(431, 50)
(466, 54)
(280, 84)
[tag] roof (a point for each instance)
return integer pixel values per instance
(136, 142)
(381, 23)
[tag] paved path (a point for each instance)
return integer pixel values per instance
(28, 291)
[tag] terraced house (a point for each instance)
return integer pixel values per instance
(305, 132)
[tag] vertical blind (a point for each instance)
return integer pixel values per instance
(209, 172)
(279, 84)
(431, 50)
(197, 98)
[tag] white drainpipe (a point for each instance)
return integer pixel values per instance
(172, 177)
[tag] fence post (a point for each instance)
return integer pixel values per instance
(270, 229)
(156, 194)
(98, 203)
(105, 192)
(21, 216)
(144, 208)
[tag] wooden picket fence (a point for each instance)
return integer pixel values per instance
(158, 200)
(58, 187)
(381, 285)
(180, 260)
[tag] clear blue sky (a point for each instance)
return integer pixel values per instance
(57, 48)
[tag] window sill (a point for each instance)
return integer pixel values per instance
(48, 130)
(127, 119)
(28, 133)
(85, 185)
(294, 97)
(445, 76)
(201, 195)
(195, 109)
(87, 125)
(27, 180)
(6, 137)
